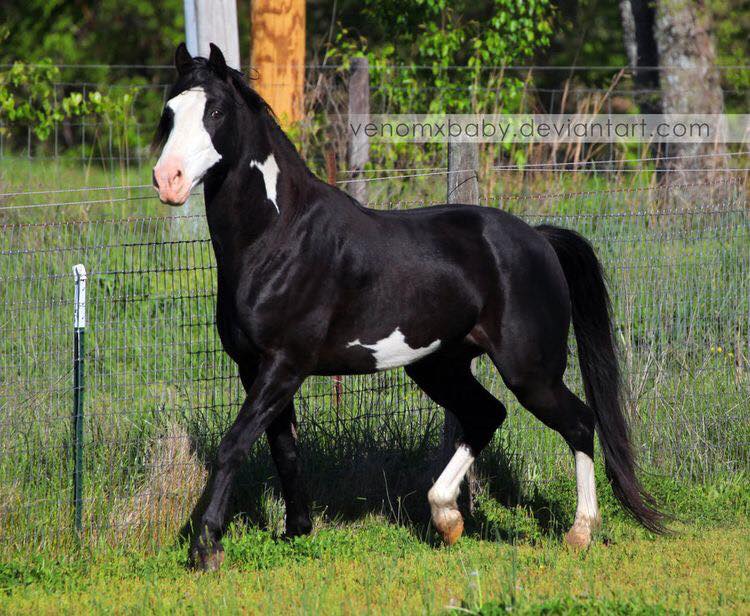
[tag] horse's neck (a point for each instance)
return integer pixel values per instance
(245, 207)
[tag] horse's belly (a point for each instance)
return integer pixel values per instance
(374, 340)
(358, 356)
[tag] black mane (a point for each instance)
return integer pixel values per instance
(257, 104)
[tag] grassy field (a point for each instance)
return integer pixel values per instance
(511, 563)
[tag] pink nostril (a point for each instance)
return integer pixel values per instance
(176, 177)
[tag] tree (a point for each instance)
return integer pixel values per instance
(105, 32)
(449, 54)
(675, 36)
(638, 32)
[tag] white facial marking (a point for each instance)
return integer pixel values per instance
(270, 171)
(444, 492)
(392, 352)
(586, 486)
(189, 139)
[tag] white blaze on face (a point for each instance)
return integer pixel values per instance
(393, 351)
(188, 153)
(270, 171)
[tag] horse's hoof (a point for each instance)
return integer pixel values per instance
(450, 525)
(297, 528)
(578, 539)
(207, 559)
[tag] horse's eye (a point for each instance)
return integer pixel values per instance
(216, 113)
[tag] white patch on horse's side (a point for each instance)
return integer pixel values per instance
(270, 171)
(587, 508)
(392, 352)
(189, 138)
(444, 492)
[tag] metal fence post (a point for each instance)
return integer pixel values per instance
(79, 327)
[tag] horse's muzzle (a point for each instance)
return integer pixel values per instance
(170, 181)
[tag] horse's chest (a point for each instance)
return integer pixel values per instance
(254, 319)
(234, 337)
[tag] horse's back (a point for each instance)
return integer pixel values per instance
(508, 262)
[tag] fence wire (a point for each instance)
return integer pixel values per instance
(159, 391)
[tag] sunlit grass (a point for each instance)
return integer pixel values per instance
(377, 566)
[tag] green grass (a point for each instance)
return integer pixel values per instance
(378, 566)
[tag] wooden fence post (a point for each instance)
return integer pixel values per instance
(463, 182)
(462, 187)
(330, 155)
(278, 54)
(359, 144)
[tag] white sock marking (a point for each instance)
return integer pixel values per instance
(270, 171)
(587, 508)
(392, 352)
(444, 492)
(189, 138)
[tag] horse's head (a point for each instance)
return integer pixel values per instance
(203, 124)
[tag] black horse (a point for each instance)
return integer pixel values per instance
(312, 282)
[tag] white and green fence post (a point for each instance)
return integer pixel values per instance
(79, 328)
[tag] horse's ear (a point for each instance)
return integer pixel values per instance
(183, 61)
(216, 59)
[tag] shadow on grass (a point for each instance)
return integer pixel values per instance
(351, 477)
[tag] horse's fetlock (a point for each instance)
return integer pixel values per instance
(441, 498)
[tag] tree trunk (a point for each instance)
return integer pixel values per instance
(689, 82)
(638, 18)
(675, 36)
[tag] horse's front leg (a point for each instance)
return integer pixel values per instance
(270, 394)
(282, 437)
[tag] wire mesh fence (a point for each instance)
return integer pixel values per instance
(159, 391)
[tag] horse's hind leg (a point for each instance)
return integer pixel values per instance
(449, 382)
(558, 408)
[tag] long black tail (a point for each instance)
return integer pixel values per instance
(592, 322)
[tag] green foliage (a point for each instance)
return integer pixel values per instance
(454, 49)
(731, 24)
(104, 32)
(28, 97)
(589, 34)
